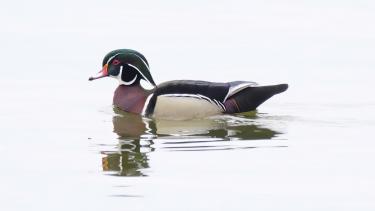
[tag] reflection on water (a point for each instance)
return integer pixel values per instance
(135, 142)
(128, 160)
(138, 137)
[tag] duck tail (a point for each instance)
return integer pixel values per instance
(250, 98)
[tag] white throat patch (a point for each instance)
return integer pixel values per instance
(125, 82)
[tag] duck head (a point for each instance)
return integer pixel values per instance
(127, 66)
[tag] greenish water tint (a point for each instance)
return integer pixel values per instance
(137, 135)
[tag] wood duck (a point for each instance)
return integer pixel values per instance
(178, 99)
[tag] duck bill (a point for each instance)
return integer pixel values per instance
(101, 74)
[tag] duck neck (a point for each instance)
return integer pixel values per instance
(130, 98)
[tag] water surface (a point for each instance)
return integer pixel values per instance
(140, 136)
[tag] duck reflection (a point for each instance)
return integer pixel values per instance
(137, 135)
(128, 161)
(135, 140)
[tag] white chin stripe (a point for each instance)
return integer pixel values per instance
(124, 82)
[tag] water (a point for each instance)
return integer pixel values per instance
(64, 147)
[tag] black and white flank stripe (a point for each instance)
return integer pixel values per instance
(213, 93)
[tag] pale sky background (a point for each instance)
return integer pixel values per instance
(305, 43)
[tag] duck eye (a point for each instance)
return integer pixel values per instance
(116, 62)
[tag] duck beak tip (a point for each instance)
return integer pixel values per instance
(101, 74)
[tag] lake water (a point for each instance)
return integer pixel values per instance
(64, 147)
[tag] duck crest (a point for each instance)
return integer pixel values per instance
(128, 66)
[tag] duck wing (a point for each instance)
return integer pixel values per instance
(249, 98)
(215, 93)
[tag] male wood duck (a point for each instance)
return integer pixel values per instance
(178, 99)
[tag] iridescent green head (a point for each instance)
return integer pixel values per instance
(127, 65)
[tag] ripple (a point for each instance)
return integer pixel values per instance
(138, 136)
